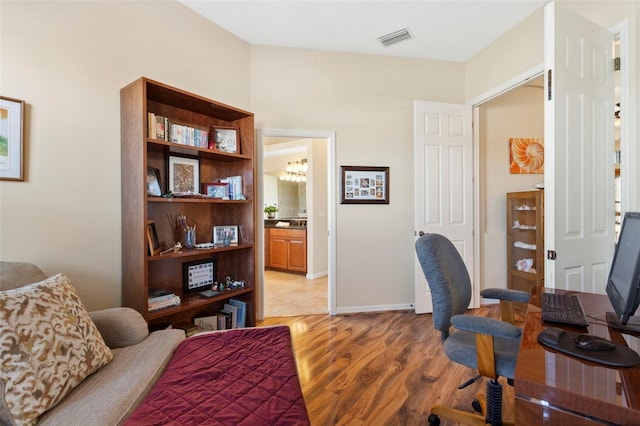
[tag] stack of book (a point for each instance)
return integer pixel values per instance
(161, 128)
(235, 187)
(160, 299)
(233, 315)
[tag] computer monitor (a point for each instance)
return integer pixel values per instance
(623, 285)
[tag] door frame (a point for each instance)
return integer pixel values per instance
(478, 206)
(330, 137)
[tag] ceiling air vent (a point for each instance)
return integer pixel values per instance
(395, 37)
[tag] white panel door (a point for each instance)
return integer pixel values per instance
(443, 144)
(579, 137)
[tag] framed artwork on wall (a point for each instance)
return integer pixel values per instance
(365, 185)
(526, 156)
(11, 139)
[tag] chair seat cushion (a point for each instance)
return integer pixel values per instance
(460, 347)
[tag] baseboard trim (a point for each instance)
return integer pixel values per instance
(317, 275)
(374, 308)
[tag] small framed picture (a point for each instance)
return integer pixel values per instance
(11, 139)
(184, 175)
(152, 238)
(365, 185)
(153, 182)
(225, 235)
(198, 275)
(216, 189)
(225, 139)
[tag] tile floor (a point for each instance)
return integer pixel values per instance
(293, 295)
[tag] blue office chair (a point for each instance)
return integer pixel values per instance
(488, 345)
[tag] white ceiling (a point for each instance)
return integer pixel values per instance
(450, 30)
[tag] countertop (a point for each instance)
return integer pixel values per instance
(294, 222)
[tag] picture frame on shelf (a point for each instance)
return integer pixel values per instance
(216, 190)
(225, 235)
(11, 139)
(152, 238)
(198, 275)
(225, 139)
(365, 185)
(184, 175)
(153, 182)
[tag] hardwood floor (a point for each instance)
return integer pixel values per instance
(292, 295)
(379, 368)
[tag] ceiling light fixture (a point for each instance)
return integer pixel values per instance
(296, 171)
(395, 37)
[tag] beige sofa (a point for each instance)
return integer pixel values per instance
(109, 395)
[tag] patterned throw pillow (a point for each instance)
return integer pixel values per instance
(48, 345)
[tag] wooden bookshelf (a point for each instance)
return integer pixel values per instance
(139, 150)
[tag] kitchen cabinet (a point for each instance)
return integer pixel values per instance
(287, 249)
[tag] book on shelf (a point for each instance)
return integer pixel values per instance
(229, 321)
(222, 321)
(241, 319)
(159, 295)
(151, 125)
(173, 301)
(185, 135)
(234, 314)
(209, 323)
(235, 187)
(160, 127)
(157, 126)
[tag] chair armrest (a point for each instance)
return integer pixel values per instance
(483, 325)
(120, 327)
(505, 294)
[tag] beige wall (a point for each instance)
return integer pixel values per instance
(518, 113)
(514, 53)
(68, 62)
(368, 102)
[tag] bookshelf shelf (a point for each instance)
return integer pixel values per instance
(142, 101)
(196, 200)
(190, 303)
(198, 252)
(525, 239)
(164, 146)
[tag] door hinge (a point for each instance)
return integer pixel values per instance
(616, 64)
(551, 254)
(549, 85)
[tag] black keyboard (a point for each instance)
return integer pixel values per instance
(564, 309)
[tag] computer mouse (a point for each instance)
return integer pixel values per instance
(589, 342)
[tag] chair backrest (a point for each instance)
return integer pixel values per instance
(447, 277)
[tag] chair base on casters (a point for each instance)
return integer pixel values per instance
(494, 392)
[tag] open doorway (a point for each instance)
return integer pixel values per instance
(516, 114)
(296, 254)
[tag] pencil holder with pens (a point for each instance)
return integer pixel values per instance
(190, 236)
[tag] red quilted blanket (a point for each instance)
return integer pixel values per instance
(236, 377)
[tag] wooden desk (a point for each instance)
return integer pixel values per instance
(553, 388)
